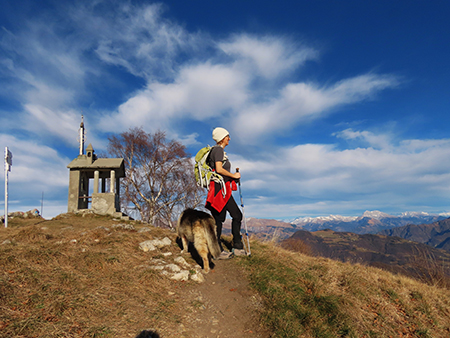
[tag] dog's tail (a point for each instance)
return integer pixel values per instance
(178, 223)
(211, 238)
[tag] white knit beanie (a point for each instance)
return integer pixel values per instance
(219, 134)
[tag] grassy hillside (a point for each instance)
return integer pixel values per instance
(394, 254)
(319, 297)
(78, 276)
(82, 277)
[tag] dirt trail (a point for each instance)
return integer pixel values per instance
(221, 307)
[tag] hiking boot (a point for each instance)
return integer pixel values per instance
(225, 255)
(239, 252)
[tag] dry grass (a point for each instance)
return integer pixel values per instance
(419, 261)
(428, 268)
(100, 286)
(78, 277)
(318, 297)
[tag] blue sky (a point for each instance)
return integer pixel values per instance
(334, 107)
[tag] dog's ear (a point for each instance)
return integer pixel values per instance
(148, 334)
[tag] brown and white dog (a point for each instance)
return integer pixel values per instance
(199, 228)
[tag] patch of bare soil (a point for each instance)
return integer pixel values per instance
(221, 307)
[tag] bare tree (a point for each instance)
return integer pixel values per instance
(159, 178)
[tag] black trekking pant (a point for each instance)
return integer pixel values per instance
(236, 216)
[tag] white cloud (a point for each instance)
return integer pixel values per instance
(208, 89)
(35, 164)
(199, 92)
(270, 56)
(40, 58)
(36, 170)
(300, 102)
(359, 88)
(382, 141)
(63, 125)
(137, 38)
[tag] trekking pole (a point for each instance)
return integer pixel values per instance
(243, 215)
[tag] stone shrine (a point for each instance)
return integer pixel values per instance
(86, 167)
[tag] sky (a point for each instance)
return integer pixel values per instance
(333, 107)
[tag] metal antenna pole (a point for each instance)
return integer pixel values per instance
(6, 195)
(8, 164)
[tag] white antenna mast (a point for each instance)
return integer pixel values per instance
(82, 136)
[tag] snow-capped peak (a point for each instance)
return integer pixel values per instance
(321, 219)
(414, 214)
(376, 214)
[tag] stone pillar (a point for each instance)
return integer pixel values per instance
(74, 190)
(96, 177)
(112, 180)
(118, 194)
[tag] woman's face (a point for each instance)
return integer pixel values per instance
(225, 141)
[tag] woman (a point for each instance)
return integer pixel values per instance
(219, 199)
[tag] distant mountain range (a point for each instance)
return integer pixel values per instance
(436, 234)
(371, 222)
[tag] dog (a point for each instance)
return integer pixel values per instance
(199, 228)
